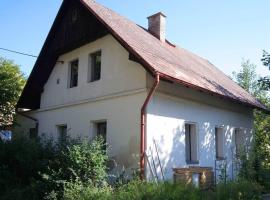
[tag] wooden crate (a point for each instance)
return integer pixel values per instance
(184, 175)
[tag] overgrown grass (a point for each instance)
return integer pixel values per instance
(76, 169)
(139, 190)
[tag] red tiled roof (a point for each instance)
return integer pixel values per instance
(173, 63)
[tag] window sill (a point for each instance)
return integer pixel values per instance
(190, 162)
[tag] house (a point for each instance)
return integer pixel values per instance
(99, 73)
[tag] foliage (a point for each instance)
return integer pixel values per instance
(140, 190)
(12, 82)
(257, 162)
(20, 161)
(33, 169)
(78, 161)
(247, 77)
(266, 62)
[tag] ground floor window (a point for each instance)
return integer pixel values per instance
(239, 141)
(191, 143)
(100, 129)
(33, 133)
(219, 142)
(62, 132)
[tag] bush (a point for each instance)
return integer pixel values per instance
(21, 160)
(78, 161)
(32, 169)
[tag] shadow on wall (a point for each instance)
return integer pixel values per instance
(171, 157)
(171, 149)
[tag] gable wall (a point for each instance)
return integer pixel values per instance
(118, 74)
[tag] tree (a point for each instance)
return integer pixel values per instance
(12, 82)
(265, 81)
(249, 80)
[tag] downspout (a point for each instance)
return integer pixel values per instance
(143, 126)
(26, 116)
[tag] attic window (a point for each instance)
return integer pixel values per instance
(73, 73)
(74, 16)
(94, 71)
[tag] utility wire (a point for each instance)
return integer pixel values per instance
(22, 53)
(25, 54)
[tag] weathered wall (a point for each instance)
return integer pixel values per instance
(167, 114)
(122, 114)
(117, 98)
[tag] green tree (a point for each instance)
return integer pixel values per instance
(265, 81)
(12, 82)
(247, 78)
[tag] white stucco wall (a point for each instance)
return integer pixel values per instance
(166, 117)
(117, 98)
(122, 114)
(118, 74)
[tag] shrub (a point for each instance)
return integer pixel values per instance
(21, 160)
(32, 169)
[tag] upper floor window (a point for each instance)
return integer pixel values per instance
(73, 79)
(94, 66)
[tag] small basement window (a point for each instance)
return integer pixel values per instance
(94, 71)
(62, 132)
(219, 142)
(191, 143)
(73, 73)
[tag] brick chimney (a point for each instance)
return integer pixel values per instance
(157, 25)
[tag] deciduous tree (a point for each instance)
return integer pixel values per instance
(12, 82)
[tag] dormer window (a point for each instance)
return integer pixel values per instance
(73, 75)
(94, 71)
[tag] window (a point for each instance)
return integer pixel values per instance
(94, 67)
(239, 141)
(33, 133)
(219, 141)
(101, 130)
(191, 143)
(62, 132)
(74, 67)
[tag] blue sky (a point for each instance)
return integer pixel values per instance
(224, 31)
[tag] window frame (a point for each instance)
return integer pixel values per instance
(241, 133)
(70, 77)
(95, 131)
(218, 157)
(191, 160)
(92, 67)
(60, 136)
